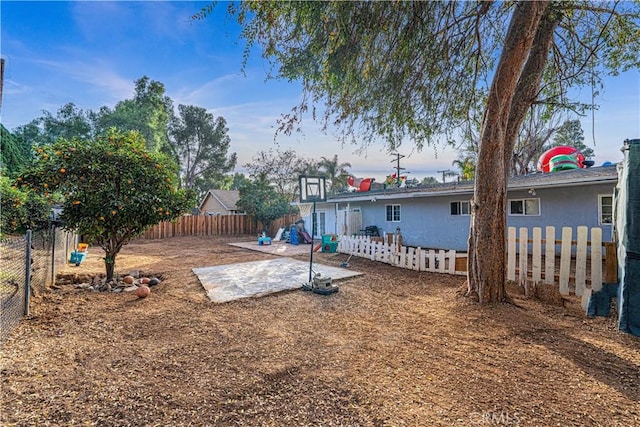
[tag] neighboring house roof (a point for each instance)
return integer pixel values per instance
(568, 178)
(227, 198)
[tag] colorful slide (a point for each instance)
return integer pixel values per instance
(306, 237)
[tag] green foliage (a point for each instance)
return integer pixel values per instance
(12, 201)
(570, 133)
(261, 200)
(21, 209)
(467, 167)
(335, 172)
(15, 153)
(201, 143)
(421, 70)
(113, 187)
(428, 180)
(231, 182)
(69, 122)
(149, 112)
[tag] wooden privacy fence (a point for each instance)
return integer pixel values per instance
(392, 252)
(580, 261)
(215, 225)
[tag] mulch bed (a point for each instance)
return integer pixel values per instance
(391, 348)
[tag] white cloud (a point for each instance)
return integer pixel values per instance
(97, 74)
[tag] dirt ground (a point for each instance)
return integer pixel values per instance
(391, 348)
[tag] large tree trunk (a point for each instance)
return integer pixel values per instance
(487, 250)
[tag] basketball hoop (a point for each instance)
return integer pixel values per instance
(305, 209)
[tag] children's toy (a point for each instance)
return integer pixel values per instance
(293, 235)
(330, 243)
(346, 263)
(79, 254)
(306, 237)
(279, 234)
(264, 239)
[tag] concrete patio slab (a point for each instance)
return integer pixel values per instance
(229, 282)
(275, 248)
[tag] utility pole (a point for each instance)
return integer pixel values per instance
(398, 168)
(445, 173)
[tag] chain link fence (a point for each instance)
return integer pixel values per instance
(39, 253)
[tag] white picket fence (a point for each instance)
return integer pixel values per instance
(433, 260)
(530, 269)
(531, 259)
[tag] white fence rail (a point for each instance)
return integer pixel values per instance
(433, 260)
(532, 259)
(578, 256)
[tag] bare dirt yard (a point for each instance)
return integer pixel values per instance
(391, 348)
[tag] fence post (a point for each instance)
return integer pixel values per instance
(550, 255)
(596, 259)
(53, 254)
(27, 274)
(511, 253)
(523, 257)
(581, 260)
(537, 255)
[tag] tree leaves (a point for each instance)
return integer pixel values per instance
(113, 188)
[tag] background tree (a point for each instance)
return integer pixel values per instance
(69, 122)
(113, 188)
(428, 180)
(571, 133)
(467, 167)
(534, 135)
(306, 166)
(149, 112)
(279, 168)
(15, 153)
(201, 144)
(335, 172)
(260, 199)
(414, 70)
(232, 182)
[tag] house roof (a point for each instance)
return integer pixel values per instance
(568, 178)
(227, 198)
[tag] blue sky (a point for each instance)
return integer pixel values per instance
(90, 53)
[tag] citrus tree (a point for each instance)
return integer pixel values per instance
(113, 188)
(21, 210)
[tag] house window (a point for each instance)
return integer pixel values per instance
(524, 207)
(321, 221)
(460, 208)
(605, 209)
(393, 213)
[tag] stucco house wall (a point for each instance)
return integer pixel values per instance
(566, 199)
